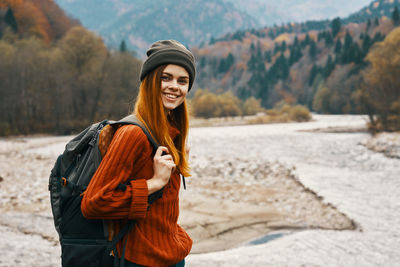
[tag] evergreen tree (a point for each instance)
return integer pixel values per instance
(295, 54)
(306, 40)
(271, 34)
(212, 41)
(202, 62)
(290, 28)
(329, 67)
(226, 63)
(335, 26)
(295, 41)
(357, 53)
(268, 56)
(396, 16)
(328, 39)
(122, 47)
(348, 41)
(313, 49)
(320, 36)
(252, 63)
(366, 44)
(368, 24)
(283, 47)
(313, 73)
(10, 20)
(252, 48)
(347, 55)
(376, 21)
(378, 37)
(338, 46)
(283, 67)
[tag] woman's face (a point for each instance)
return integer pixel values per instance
(174, 86)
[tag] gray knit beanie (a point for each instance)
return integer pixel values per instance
(169, 52)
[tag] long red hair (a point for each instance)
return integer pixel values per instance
(150, 110)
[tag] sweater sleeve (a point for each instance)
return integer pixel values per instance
(127, 153)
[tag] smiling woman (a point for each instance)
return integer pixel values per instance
(156, 239)
(174, 86)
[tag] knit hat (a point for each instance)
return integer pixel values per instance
(169, 52)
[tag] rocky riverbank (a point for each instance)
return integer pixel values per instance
(386, 143)
(247, 181)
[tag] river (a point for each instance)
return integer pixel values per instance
(336, 165)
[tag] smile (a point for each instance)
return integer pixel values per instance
(171, 96)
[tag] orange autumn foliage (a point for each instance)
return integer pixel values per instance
(40, 18)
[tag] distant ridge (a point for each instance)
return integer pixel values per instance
(140, 23)
(377, 8)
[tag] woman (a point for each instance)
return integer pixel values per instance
(156, 239)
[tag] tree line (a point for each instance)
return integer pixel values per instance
(62, 87)
(207, 104)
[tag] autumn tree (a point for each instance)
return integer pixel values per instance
(321, 101)
(251, 106)
(83, 53)
(382, 82)
(120, 88)
(229, 105)
(204, 104)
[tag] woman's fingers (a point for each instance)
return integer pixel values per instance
(167, 157)
(162, 153)
(160, 150)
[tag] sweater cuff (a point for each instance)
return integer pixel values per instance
(139, 204)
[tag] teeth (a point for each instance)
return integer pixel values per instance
(171, 96)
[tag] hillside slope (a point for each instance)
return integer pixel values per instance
(41, 18)
(296, 62)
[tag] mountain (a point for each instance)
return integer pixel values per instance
(140, 23)
(94, 14)
(378, 8)
(314, 63)
(269, 13)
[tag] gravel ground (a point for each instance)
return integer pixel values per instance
(338, 166)
(247, 181)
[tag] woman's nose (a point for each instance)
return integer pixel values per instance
(174, 85)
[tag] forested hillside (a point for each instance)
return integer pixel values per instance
(317, 64)
(56, 76)
(40, 18)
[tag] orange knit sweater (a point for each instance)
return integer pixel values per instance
(156, 239)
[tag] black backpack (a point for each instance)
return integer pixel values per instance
(84, 242)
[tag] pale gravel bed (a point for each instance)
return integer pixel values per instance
(338, 166)
(359, 182)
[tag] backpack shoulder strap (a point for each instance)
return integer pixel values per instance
(132, 119)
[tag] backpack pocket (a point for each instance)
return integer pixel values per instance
(75, 226)
(85, 252)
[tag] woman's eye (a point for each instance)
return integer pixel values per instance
(164, 78)
(182, 81)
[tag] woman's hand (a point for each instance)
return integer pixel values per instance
(163, 167)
